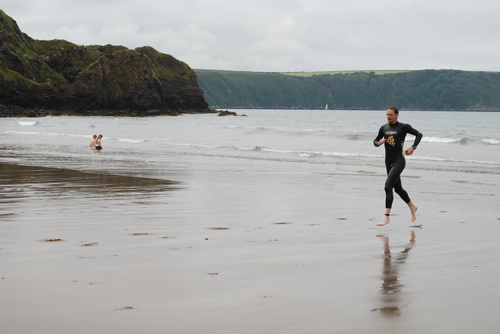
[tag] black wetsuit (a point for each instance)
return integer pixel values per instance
(395, 162)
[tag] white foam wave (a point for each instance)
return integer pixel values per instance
(255, 148)
(196, 145)
(442, 140)
(27, 123)
(309, 154)
(491, 141)
(469, 161)
(134, 141)
(48, 134)
(278, 151)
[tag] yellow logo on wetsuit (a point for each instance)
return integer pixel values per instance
(391, 141)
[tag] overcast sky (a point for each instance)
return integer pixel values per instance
(281, 35)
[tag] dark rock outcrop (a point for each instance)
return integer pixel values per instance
(227, 113)
(59, 77)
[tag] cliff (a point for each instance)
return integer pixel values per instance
(58, 77)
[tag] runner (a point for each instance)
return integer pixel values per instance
(393, 135)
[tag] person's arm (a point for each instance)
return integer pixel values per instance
(380, 138)
(418, 137)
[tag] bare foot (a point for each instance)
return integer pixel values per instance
(413, 211)
(384, 221)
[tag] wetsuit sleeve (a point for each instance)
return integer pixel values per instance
(379, 136)
(418, 135)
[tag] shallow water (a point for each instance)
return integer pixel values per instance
(166, 146)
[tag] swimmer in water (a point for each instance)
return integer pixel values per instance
(98, 144)
(93, 142)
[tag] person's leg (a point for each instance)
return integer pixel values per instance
(393, 173)
(398, 188)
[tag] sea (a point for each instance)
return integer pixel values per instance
(167, 147)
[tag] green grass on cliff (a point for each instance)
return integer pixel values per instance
(167, 67)
(16, 80)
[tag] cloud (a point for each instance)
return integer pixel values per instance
(279, 35)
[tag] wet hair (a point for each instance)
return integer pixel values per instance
(100, 136)
(393, 108)
(95, 136)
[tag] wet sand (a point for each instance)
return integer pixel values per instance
(247, 251)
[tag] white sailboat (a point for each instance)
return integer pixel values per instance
(326, 107)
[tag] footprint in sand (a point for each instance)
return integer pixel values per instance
(51, 240)
(125, 308)
(90, 244)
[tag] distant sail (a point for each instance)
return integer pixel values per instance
(326, 107)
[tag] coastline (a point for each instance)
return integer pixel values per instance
(7, 112)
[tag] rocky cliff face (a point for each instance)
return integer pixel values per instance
(67, 78)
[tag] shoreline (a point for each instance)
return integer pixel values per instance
(12, 112)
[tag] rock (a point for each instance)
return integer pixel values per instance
(227, 113)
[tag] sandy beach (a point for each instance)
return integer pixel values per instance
(243, 251)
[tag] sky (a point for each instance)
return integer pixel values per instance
(280, 35)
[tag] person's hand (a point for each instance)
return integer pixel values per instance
(410, 150)
(381, 141)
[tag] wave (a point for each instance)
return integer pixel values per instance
(491, 141)
(313, 154)
(195, 145)
(133, 141)
(255, 148)
(48, 134)
(353, 136)
(308, 154)
(469, 161)
(444, 140)
(25, 123)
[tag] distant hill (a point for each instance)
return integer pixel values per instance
(57, 76)
(416, 90)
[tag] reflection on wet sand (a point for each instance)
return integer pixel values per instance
(14, 176)
(391, 287)
(19, 183)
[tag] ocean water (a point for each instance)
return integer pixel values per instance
(170, 147)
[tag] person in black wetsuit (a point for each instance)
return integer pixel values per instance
(393, 135)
